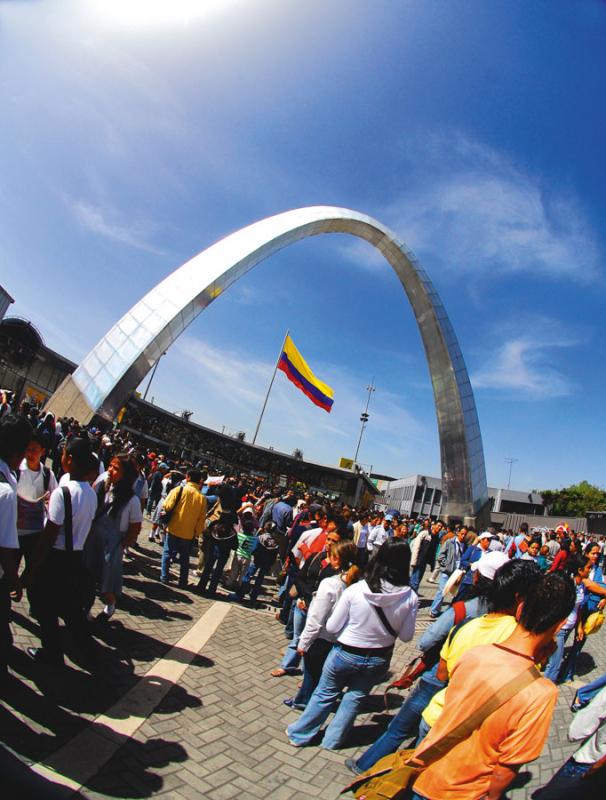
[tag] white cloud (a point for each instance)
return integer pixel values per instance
(523, 365)
(96, 220)
(469, 209)
(225, 387)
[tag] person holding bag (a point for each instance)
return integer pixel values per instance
(315, 643)
(368, 618)
(55, 577)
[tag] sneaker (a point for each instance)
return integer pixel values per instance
(351, 765)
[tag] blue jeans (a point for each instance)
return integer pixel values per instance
(570, 662)
(214, 565)
(437, 601)
(359, 673)
(404, 725)
(176, 546)
(291, 658)
(586, 693)
(423, 731)
(552, 670)
(416, 577)
(247, 580)
(569, 782)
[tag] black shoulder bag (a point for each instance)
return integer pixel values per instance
(166, 514)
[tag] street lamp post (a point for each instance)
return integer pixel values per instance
(364, 417)
(511, 462)
(152, 375)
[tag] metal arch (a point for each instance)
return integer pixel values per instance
(120, 361)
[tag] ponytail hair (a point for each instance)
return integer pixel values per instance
(346, 552)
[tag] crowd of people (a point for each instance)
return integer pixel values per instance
(348, 587)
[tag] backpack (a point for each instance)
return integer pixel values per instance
(420, 664)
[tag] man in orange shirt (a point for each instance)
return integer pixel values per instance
(482, 766)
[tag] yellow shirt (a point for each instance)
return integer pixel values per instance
(489, 629)
(189, 516)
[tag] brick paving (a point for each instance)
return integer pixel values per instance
(219, 733)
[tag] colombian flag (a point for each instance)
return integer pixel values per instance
(296, 369)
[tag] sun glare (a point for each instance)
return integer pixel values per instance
(142, 13)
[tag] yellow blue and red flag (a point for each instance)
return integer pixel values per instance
(296, 369)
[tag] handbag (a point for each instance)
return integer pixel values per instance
(166, 513)
(392, 777)
(421, 663)
(593, 623)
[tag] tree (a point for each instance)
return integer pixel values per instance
(575, 500)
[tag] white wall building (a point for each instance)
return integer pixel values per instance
(421, 496)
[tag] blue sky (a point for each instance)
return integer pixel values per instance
(134, 134)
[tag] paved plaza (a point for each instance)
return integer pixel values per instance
(182, 706)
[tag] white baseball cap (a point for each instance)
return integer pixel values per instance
(489, 563)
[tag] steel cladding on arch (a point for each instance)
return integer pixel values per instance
(119, 362)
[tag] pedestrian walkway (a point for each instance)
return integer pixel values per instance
(183, 706)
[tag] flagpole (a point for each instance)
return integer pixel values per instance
(271, 383)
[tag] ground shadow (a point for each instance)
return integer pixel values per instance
(143, 647)
(18, 781)
(146, 607)
(585, 663)
(155, 590)
(48, 710)
(522, 779)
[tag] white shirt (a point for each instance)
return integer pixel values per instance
(84, 508)
(590, 723)
(130, 513)
(573, 616)
(322, 605)
(31, 488)
(355, 622)
(8, 510)
(377, 536)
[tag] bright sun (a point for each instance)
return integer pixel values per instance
(140, 13)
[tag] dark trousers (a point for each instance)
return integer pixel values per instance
(313, 662)
(6, 637)
(213, 569)
(570, 781)
(244, 587)
(57, 593)
(27, 546)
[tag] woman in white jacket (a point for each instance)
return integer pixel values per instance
(315, 643)
(368, 618)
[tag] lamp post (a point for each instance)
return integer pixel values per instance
(511, 462)
(152, 375)
(364, 416)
